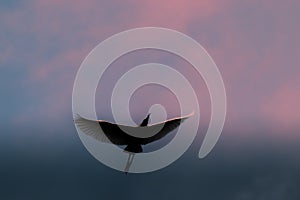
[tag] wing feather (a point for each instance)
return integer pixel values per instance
(107, 132)
(91, 128)
(167, 127)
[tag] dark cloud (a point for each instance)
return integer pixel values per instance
(36, 167)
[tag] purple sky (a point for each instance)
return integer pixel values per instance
(254, 44)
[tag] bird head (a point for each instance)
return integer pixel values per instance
(145, 121)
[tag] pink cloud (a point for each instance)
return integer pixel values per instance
(239, 45)
(64, 63)
(175, 14)
(282, 108)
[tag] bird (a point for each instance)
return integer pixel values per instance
(131, 136)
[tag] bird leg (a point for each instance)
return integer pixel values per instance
(129, 162)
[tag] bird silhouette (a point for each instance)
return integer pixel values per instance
(131, 136)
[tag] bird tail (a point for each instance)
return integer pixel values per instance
(134, 148)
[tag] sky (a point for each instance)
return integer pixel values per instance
(255, 45)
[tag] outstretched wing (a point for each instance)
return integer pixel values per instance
(105, 131)
(166, 127)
